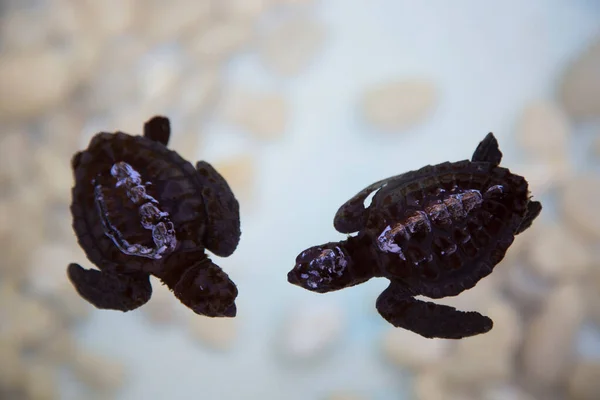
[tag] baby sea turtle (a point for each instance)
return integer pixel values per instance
(139, 209)
(435, 232)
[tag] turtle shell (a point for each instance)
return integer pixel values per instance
(442, 228)
(134, 203)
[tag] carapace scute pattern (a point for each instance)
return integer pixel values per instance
(434, 232)
(140, 209)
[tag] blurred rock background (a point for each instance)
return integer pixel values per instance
(300, 104)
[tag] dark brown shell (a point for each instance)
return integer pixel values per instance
(442, 228)
(167, 177)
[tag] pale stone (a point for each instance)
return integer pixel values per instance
(558, 253)
(290, 47)
(220, 40)
(549, 341)
(47, 268)
(487, 357)
(97, 371)
(54, 174)
(311, 330)
(407, 349)
(261, 113)
(12, 368)
(596, 145)
(584, 381)
(343, 395)
(25, 321)
(41, 382)
(15, 147)
(580, 87)
(239, 172)
(68, 303)
(160, 20)
(505, 392)
(431, 384)
(216, 333)
(108, 17)
(579, 204)
(398, 104)
(525, 287)
(61, 132)
(244, 9)
(33, 82)
(543, 130)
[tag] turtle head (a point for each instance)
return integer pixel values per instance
(207, 290)
(322, 268)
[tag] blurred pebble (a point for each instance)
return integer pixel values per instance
(161, 20)
(219, 40)
(526, 288)
(216, 333)
(54, 174)
(559, 254)
(69, 304)
(262, 114)
(244, 9)
(15, 147)
(239, 172)
(98, 372)
(12, 367)
(398, 104)
(407, 349)
(488, 357)
(47, 268)
(549, 341)
(584, 381)
(505, 392)
(159, 71)
(61, 132)
(579, 200)
(31, 83)
(289, 47)
(311, 330)
(41, 382)
(345, 396)
(543, 130)
(580, 88)
(108, 17)
(58, 349)
(596, 145)
(430, 384)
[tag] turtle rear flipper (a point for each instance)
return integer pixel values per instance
(106, 290)
(222, 211)
(488, 151)
(158, 129)
(428, 319)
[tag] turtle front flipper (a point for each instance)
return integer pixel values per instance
(533, 210)
(204, 288)
(106, 290)
(222, 212)
(428, 319)
(488, 151)
(158, 129)
(351, 216)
